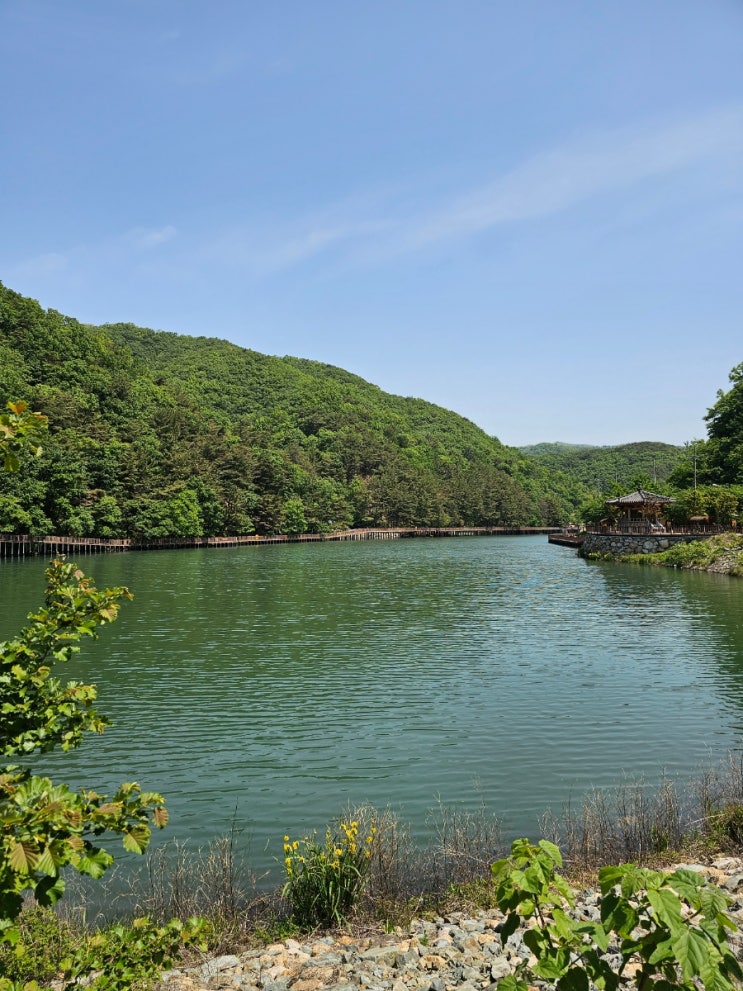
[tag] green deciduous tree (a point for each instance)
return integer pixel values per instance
(725, 431)
(294, 519)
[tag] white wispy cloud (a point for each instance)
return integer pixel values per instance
(318, 240)
(151, 237)
(262, 250)
(555, 181)
(40, 265)
(120, 248)
(561, 178)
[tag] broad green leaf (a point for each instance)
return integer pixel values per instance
(731, 965)
(563, 925)
(512, 983)
(595, 932)
(609, 877)
(498, 868)
(552, 850)
(663, 950)
(537, 940)
(565, 890)
(715, 903)
(49, 890)
(22, 857)
(618, 915)
(686, 882)
(95, 864)
(575, 979)
(552, 965)
(692, 951)
(510, 925)
(46, 862)
(136, 839)
(667, 907)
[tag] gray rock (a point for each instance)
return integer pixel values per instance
(212, 967)
(733, 883)
(471, 973)
(329, 959)
(500, 968)
(385, 954)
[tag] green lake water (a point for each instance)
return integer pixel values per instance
(274, 686)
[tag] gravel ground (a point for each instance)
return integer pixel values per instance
(455, 951)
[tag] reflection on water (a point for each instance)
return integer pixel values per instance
(282, 683)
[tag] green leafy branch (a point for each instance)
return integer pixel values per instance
(669, 929)
(20, 430)
(38, 711)
(46, 827)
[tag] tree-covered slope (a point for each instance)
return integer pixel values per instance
(156, 434)
(725, 432)
(602, 468)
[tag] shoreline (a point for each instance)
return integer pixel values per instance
(22, 545)
(720, 554)
(457, 949)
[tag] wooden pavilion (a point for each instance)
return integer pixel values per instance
(640, 509)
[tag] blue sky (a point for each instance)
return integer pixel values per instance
(527, 212)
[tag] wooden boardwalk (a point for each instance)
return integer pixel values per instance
(12, 546)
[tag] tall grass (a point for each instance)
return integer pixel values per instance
(646, 824)
(215, 883)
(631, 822)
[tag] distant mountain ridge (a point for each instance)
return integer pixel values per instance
(601, 467)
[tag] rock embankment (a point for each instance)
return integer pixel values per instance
(455, 951)
(618, 544)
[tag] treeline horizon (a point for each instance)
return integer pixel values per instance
(153, 434)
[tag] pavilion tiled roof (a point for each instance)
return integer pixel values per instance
(640, 498)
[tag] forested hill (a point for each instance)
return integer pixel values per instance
(155, 434)
(599, 468)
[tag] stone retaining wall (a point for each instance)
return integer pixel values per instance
(634, 543)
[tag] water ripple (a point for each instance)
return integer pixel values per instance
(286, 682)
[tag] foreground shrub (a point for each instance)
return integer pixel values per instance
(324, 880)
(51, 952)
(44, 942)
(128, 957)
(667, 930)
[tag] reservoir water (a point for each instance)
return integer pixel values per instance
(274, 686)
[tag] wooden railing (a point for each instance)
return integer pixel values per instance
(14, 545)
(640, 528)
